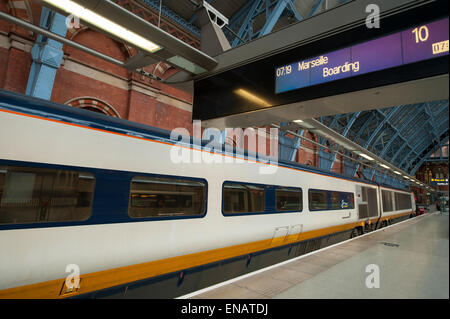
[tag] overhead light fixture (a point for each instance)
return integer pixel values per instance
(306, 125)
(385, 166)
(366, 157)
(398, 173)
(347, 146)
(103, 23)
(252, 97)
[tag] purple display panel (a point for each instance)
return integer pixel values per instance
(425, 42)
(337, 66)
(378, 54)
(416, 44)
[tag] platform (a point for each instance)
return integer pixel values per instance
(412, 258)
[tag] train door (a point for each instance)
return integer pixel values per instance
(367, 200)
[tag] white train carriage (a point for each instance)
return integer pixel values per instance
(102, 195)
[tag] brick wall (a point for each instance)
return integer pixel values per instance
(83, 76)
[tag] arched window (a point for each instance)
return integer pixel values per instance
(93, 104)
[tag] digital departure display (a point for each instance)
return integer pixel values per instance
(416, 44)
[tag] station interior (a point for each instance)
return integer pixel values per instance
(239, 149)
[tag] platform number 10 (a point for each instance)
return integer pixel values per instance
(421, 34)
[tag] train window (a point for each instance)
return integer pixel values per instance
(40, 195)
(335, 200)
(387, 201)
(289, 199)
(330, 200)
(347, 201)
(166, 197)
(243, 198)
(402, 201)
(317, 200)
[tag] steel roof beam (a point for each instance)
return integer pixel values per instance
(398, 134)
(246, 27)
(386, 120)
(195, 15)
(431, 121)
(345, 133)
(380, 126)
(315, 8)
(423, 148)
(419, 164)
(174, 17)
(276, 13)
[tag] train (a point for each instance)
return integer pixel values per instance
(98, 200)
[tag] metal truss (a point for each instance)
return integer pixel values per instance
(46, 55)
(244, 21)
(259, 17)
(432, 150)
(173, 16)
(405, 135)
(443, 158)
(288, 146)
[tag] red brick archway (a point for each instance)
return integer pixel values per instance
(93, 104)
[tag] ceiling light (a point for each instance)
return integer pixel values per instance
(385, 166)
(366, 156)
(306, 125)
(398, 173)
(103, 23)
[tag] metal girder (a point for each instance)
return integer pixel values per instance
(386, 120)
(173, 16)
(374, 133)
(276, 13)
(47, 55)
(314, 9)
(395, 128)
(419, 164)
(288, 147)
(377, 134)
(298, 142)
(345, 133)
(272, 9)
(194, 16)
(246, 27)
(432, 121)
(362, 129)
(423, 148)
(398, 134)
(441, 157)
(325, 158)
(412, 150)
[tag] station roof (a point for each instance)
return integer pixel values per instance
(403, 135)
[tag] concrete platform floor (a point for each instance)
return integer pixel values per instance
(411, 260)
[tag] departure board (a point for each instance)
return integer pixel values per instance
(420, 43)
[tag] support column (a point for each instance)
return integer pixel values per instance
(47, 55)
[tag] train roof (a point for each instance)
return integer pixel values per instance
(20, 103)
